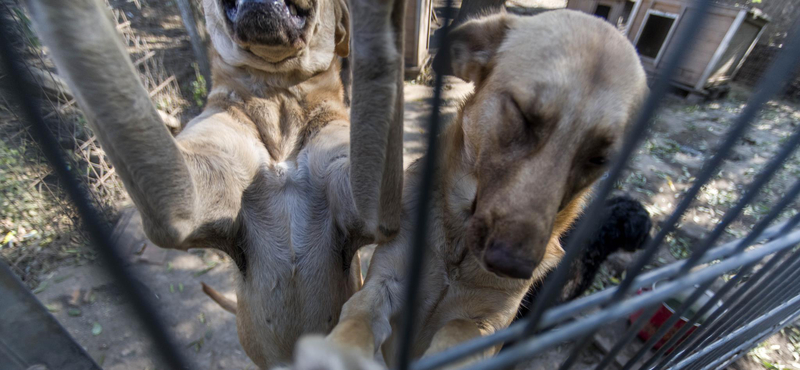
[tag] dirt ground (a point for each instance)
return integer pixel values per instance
(684, 135)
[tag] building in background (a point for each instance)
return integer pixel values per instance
(721, 48)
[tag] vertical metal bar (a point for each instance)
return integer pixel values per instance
(37, 337)
(416, 259)
(742, 291)
(590, 222)
(709, 168)
(630, 334)
(742, 322)
(722, 344)
(784, 202)
(768, 299)
(750, 289)
(533, 346)
(571, 309)
(762, 179)
(96, 227)
(198, 47)
(761, 336)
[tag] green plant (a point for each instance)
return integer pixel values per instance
(199, 90)
(27, 28)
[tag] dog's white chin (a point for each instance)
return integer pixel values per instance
(306, 61)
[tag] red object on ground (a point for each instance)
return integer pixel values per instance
(659, 319)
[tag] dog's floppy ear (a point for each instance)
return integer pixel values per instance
(474, 44)
(342, 34)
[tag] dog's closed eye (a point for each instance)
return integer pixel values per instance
(598, 160)
(525, 127)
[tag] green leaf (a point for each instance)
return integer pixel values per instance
(211, 265)
(74, 312)
(97, 329)
(180, 287)
(52, 308)
(62, 278)
(198, 344)
(42, 286)
(172, 288)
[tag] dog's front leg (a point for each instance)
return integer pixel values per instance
(376, 133)
(457, 331)
(186, 189)
(364, 322)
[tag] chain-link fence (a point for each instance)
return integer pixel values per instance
(38, 227)
(757, 62)
(761, 295)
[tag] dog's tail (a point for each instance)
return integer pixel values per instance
(224, 302)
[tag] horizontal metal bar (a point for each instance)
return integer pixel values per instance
(733, 306)
(743, 291)
(742, 349)
(712, 303)
(630, 334)
(761, 225)
(776, 296)
(97, 228)
(755, 300)
(531, 347)
(571, 309)
(792, 304)
(635, 135)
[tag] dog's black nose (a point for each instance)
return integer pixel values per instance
(504, 260)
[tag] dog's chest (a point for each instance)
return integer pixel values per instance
(290, 218)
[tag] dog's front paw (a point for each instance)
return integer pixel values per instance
(317, 353)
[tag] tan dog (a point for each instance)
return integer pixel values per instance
(266, 173)
(554, 94)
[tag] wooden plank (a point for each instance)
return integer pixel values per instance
(667, 7)
(747, 53)
(160, 87)
(636, 23)
(721, 48)
(143, 59)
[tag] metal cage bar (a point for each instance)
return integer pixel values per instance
(762, 179)
(731, 328)
(746, 270)
(416, 259)
(96, 226)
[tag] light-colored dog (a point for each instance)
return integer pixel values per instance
(554, 94)
(266, 173)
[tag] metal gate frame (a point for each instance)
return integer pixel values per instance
(764, 295)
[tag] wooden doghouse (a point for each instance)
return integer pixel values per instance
(722, 44)
(417, 35)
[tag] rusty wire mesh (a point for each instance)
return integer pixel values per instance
(37, 225)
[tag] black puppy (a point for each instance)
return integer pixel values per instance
(626, 226)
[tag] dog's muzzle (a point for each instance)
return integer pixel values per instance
(265, 22)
